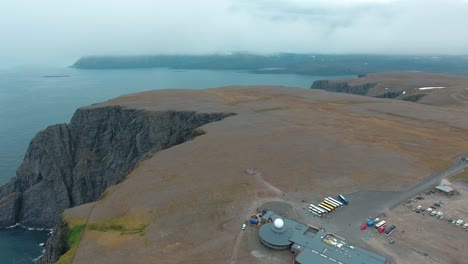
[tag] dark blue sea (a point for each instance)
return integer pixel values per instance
(33, 98)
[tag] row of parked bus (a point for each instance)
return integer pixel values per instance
(327, 206)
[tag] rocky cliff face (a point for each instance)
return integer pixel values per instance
(71, 164)
(56, 245)
(342, 87)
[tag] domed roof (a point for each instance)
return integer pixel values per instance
(279, 223)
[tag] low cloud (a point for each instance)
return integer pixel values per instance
(55, 31)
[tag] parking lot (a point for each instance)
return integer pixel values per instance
(422, 237)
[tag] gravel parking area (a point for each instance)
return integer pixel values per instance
(425, 238)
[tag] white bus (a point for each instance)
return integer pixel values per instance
(379, 224)
(336, 201)
(318, 208)
(315, 212)
(332, 203)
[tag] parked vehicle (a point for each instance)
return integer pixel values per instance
(314, 211)
(381, 229)
(370, 223)
(429, 210)
(254, 221)
(332, 203)
(324, 208)
(363, 226)
(434, 212)
(322, 211)
(336, 201)
(327, 206)
(465, 226)
(244, 226)
(343, 199)
(390, 230)
(380, 224)
(459, 222)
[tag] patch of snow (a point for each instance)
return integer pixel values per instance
(431, 87)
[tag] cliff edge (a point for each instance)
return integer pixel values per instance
(70, 164)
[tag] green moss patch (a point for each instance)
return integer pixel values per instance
(123, 226)
(73, 241)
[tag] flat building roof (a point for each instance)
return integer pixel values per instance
(444, 188)
(317, 246)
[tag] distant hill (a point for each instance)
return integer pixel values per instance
(426, 88)
(284, 63)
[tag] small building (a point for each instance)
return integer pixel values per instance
(444, 189)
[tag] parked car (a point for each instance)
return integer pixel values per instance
(244, 226)
(364, 226)
(381, 229)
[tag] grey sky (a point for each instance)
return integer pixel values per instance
(58, 31)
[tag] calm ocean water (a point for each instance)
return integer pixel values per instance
(30, 102)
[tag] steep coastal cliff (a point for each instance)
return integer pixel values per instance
(343, 87)
(56, 245)
(70, 164)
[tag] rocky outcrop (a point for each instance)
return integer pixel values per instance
(413, 98)
(343, 87)
(70, 164)
(56, 245)
(390, 94)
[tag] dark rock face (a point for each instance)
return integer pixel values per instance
(413, 98)
(56, 245)
(342, 87)
(389, 95)
(70, 164)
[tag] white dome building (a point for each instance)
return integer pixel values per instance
(276, 234)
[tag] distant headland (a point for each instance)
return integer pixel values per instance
(310, 64)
